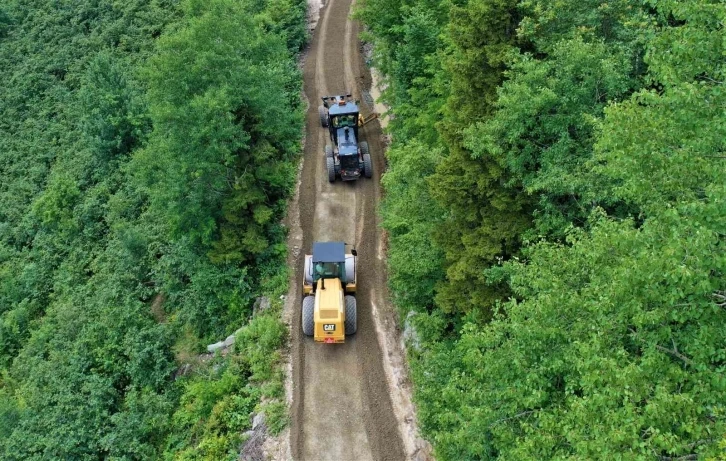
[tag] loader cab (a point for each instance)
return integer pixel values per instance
(328, 261)
(326, 271)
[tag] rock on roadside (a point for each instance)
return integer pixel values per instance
(251, 449)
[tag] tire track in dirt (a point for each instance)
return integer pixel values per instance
(341, 407)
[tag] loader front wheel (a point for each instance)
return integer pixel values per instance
(308, 321)
(351, 315)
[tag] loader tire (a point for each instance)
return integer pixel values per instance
(367, 166)
(351, 315)
(308, 320)
(349, 269)
(323, 116)
(308, 270)
(330, 164)
(328, 151)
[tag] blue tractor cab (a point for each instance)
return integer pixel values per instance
(346, 158)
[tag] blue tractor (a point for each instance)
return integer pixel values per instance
(346, 158)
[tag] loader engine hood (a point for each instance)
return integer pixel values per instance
(329, 314)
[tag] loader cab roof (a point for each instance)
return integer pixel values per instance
(329, 252)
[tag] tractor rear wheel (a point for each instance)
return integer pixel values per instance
(351, 315)
(367, 166)
(330, 165)
(364, 148)
(323, 116)
(328, 151)
(308, 321)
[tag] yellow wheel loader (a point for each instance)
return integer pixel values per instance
(328, 308)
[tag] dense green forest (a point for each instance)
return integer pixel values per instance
(143, 175)
(556, 211)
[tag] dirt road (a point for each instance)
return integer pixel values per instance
(341, 396)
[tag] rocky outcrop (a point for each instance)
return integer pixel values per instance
(261, 305)
(251, 449)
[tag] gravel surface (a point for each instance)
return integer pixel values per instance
(350, 401)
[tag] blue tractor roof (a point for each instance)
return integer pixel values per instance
(329, 252)
(347, 108)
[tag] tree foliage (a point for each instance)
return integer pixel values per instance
(219, 158)
(143, 171)
(579, 169)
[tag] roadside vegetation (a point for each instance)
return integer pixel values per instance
(147, 149)
(556, 209)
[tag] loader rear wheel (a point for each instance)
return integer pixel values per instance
(330, 164)
(323, 116)
(308, 321)
(367, 166)
(351, 315)
(349, 269)
(308, 270)
(328, 151)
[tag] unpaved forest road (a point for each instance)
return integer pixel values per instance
(341, 408)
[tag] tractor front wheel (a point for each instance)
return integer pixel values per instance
(330, 164)
(323, 116)
(367, 166)
(351, 315)
(308, 321)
